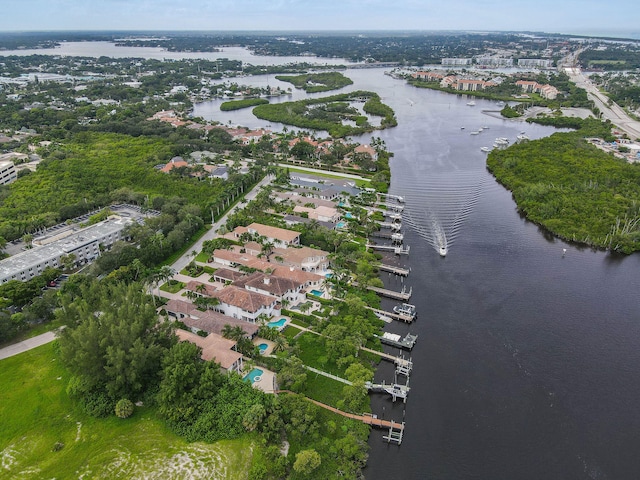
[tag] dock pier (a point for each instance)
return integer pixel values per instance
(404, 272)
(390, 248)
(394, 389)
(395, 340)
(395, 316)
(402, 295)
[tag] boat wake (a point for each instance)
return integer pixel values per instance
(437, 208)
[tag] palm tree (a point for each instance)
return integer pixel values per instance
(201, 289)
(281, 343)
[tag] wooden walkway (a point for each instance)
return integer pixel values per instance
(403, 295)
(393, 315)
(365, 418)
(396, 270)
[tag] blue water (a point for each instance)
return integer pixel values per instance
(263, 347)
(251, 376)
(348, 215)
(277, 323)
(328, 275)
(317, 293)
(340, 224)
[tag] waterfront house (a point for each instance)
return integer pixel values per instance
(244, 304)
(215, 348)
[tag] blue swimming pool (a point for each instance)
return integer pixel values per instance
(328, 275)
(317, 293)
(349, 215)
(254, 375)
(263, 347)
(340, 224)
(277, 323)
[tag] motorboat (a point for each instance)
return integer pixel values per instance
(485, 149)
(471, 103)
(443, 251)
(405, 309)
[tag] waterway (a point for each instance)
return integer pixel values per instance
(527, 360)
(527, 357)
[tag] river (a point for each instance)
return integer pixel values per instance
(527, 357)
(527, 361)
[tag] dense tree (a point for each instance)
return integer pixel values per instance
(114, 345)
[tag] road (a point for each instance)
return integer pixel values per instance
(610, 111)
(25, 345)
(186, 258)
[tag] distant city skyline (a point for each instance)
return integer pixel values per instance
(580, 17)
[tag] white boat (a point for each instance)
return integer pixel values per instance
(474, 133)
(522, 137)
(485, 149)
(443, 251)
(471, 103)
(485, 127)
(461, 128)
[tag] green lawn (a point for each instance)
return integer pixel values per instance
(37, 415)
(172, 286)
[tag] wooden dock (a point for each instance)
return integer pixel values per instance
(396, 430)
(390, 248)
(393, 315)
(395, 340)
(402, 295)
(395, 270)
(394, 389)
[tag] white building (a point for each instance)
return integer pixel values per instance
(8, 172)
(456, 62)
(244, 304)
(84, 244)
(535, 62)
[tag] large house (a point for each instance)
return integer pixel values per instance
(279, 237)
(215, 348)
(207, 321)
(305, 258)
(321, 213)
(283, 288)
(241, 303)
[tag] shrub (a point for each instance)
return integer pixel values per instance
(124, 408)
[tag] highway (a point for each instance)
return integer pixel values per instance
(610, 110)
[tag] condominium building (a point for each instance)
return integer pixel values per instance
(8, 172)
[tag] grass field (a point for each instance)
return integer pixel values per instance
(43, 436)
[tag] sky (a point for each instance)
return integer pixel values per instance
(593, 17)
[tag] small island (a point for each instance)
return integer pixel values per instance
(240, 104)
(317, 82)
(337, 114)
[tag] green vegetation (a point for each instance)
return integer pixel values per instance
(43, 435)
(328, 113)
(172, 286)
(240, 104)
(317, 82)
(573, 189)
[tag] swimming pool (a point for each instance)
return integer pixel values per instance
(277, 323)
(317, 293)
(340, 225)
(348, 215)
(254, 375)
(328, 275)
(263, 347)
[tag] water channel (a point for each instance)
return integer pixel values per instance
(527, 360)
